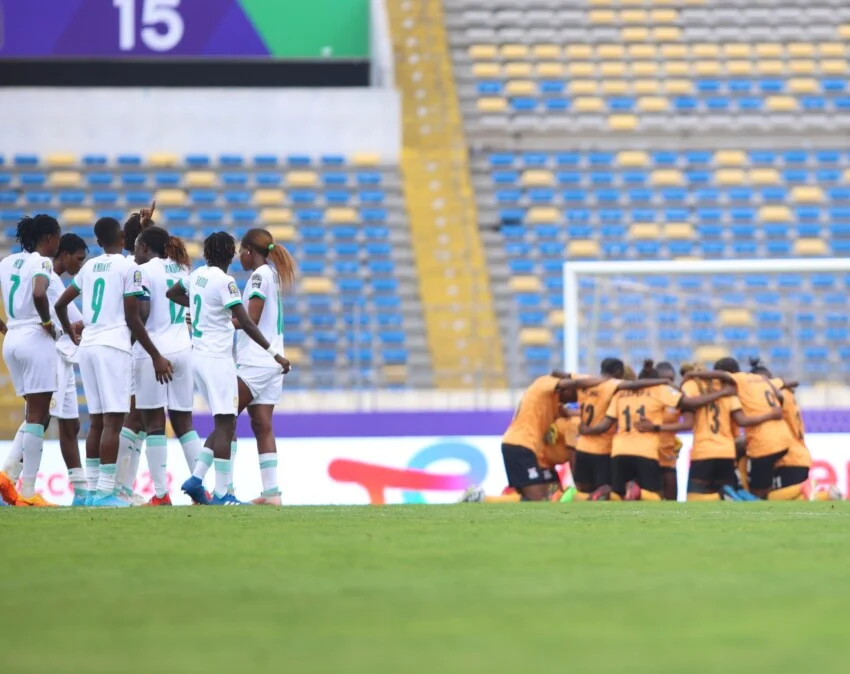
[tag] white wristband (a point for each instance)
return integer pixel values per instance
(271, 351)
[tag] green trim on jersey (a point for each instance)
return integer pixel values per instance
(257, 293)
(135, 294)
(232, 304)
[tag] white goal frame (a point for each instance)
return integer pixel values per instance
(572, 270)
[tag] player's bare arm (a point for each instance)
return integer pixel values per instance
(61, 307)
(177, 294)
(602, 427)
(685, 424)
(162, 366)
(747, 422)
(691, 403)
(42, 304)
(240, 315)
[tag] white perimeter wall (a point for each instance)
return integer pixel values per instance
(211, 121)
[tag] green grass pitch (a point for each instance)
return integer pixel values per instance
(661, 588)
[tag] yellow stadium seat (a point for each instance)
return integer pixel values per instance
(801, 66)
(803, 85)
(556, 318)
(810, 247)
(588, 104)
(622, 122)
(486, 70)
(739, 67)
(674, 51)
(78, 216)
(644, 68)
(61, 159)
(546, 51)
(577, 52)
(729, 177)
(200, 179)
(631, 2)
(170, 198)
(581, 69)
(365, 159)
(769, 50)
(521, 88)
(268, 197)
(642, 51)
(482, 51)
(844, 31)
(163, 159)
(833, 67)
(730, 158)
(525, 284)
(600, 3)
(736, 50)
(663, 16)
(735, 317)
(801, 50)
(295, 355)
(342, 216)
(275, 216)
(540, 215)
(832, 49)
(634, 34)
(781, 103)
(65, 179)
(535, 336)
(646, 87)
(514, 51)
(709, 353)
(615, 87)
(666, 34)
(609, 52)
(644, 231)
(394, 374)
(537, 177)
(518, 69)
(707, 68)
(807, 194)
(666, 178)
(633, 16)
(601, 16)
(317, 285)
(679, 231)
(612, 69)
(677, 69)
(282, 233)
(765, 176)
(652, 104)
(632, 158)
(775, 214)
(550, 69)
(582, 87)
(770, 67)
(194, 249)
(845, 178)
(583, 248)
(675, 87)
(705, 50)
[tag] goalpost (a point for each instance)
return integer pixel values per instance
(607, 280)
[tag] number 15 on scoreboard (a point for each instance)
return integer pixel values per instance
(162, 26)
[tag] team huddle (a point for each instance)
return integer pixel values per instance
(621, 442)
(151, 332)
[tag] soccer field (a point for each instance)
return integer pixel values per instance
(576, 587)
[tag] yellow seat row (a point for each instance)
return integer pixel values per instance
(170, 159)
(614, 3)
(267, 216)
(591, 104)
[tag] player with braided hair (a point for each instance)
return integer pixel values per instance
(216, 305)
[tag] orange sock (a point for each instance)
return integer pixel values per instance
(615, 497)
(703, 497)
(822, 496)
(791, 493)
(505, 498)
(646, 495)
(581, 496)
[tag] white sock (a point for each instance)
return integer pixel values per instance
(268, 474)
(222, 473)
(157, 453)
(192, 447)
(106, 481)
(14, 462)
(33, 443)
(127, 439)
(202, 465)
(77, 479)
(135, 458)
(230, 467)
(92, 473)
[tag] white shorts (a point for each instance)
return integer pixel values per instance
(176, 395)
(265, 383)
(106, 373)
(27, 354)
(215, 379)
(64, 402)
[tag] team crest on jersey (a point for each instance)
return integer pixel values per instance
(234, 290)
(53, 403)
(256, 281)
(137, 277)
(47, 266)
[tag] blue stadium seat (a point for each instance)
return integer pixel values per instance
(367, 178)
(66, 198)
(541, 195)
(634, 178)
(333, 179)
(234, 179)
(773, 193)
(237, 197)
(778, 248)
(665, 158)
(557, 104)
(570, 178)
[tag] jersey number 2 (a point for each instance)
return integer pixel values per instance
(195, 331)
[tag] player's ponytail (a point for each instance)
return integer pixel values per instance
(24, 234)
(648, 371)
(175, 250)
(757, 367)
(262, 242)
(31, 230)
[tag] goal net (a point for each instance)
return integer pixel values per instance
(792, 313)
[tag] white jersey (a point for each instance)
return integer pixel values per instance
(265, 284)
(211, 295)
(64, 344)
(17, 272)
(166, 322)
(104, 282)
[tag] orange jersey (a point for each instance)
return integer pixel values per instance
(798, 453)
(563, 438)
(538, 409)
(594, 402)
(758, 397)
(714, 429)
(668, 444)
(628, 407)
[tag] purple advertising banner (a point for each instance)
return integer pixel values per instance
(419, 424)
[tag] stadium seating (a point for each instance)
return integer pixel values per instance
(354, 317)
